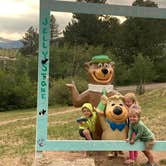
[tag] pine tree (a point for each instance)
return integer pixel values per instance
(54, 28)
(85, 28)
(30, 42)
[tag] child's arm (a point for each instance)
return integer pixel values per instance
(139, 133)
(132, 141)
(130, 132)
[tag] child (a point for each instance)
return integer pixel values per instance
(142, 133)
(87, 121)
(129, 100)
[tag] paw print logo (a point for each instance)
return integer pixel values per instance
(41, 142)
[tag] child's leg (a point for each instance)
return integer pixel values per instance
(131, 155)
(149, 155)
(131, 158)
(135, 155)
(135, 152)
(87, 134)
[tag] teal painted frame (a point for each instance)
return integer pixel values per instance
(46, 6)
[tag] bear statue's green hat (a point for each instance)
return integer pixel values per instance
(100, 59)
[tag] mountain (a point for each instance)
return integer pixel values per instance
(8, 44)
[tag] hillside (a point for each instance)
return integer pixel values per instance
(17, 134)
(8, 44)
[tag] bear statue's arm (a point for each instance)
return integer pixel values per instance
(103, 122)
(78, 99)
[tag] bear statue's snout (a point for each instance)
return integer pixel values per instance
(104, 71)
(117, 110)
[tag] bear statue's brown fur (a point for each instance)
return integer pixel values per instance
(113, 117)
(101, 72)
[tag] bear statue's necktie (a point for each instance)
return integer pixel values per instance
(115, 126)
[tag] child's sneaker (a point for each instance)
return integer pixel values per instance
(129, 161)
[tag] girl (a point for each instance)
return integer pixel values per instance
(129, 100)
(142, 133)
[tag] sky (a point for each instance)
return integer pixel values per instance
(16, 16)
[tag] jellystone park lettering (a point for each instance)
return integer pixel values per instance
(44, 56)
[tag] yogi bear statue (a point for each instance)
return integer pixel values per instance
(100, 70)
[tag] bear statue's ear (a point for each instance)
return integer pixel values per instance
(121, 96)
(112, 64)
(86, 65)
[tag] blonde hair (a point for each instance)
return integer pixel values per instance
(131, 96)
(135, 110)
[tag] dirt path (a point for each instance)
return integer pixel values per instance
(147, 87)
(34, 117)
(94, 159)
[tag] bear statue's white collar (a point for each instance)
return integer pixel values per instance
(99, 88)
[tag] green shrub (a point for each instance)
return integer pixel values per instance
(59, 93)
(122, 76)
(16, 91)
(160, 69)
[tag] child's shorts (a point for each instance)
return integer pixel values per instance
(149, 144)
(82, 134)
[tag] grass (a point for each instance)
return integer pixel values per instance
(70, 129)
(18, 127)
(153, 104)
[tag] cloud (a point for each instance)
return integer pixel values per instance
(18, 15)
(162, 3)
(18, 24)
(62, 19)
